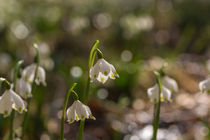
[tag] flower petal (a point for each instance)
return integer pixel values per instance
(170, 83)
(80, 109)
(29, 72)
(104, 67)
(94, 71)
(23, 88)
(205, 85)
(113, 72)
(70, 114)
(166, 94)
(102, 78)
(41, 76)
(153, 93)
(18, 103)
(6, 104)
(89, 113)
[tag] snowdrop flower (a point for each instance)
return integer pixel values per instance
(153, 93)
(29, 73)
(10, 100)
(205, 86)
(78, 111)
(23, 88)
(170, 83)
(102, 70)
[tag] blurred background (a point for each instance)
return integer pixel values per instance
(137, 37)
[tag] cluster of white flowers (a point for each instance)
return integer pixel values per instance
(23, 84)
(12, 99)
(169, 85)
(101, 71)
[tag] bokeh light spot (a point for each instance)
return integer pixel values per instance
(102, 93)
(76, 71)
(126, 56)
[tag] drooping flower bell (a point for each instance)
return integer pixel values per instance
(170, 83)
(205, 86)
(29, 73)
(10, 100)
(102, 70)
(153, 93)
(23, 88)
(169, 86)
(78, 111)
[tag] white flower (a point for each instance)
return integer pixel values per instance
(23, 88)
(10, 100)
(205, 86)
(29, 73)
(153, 93)
(78, 111)
(170, 83)
(102, 70)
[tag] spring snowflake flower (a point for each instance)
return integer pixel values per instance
(205, 86)
(23, 88)
(153, 93)
(10, 100)
(102, 70)
(170, 83)
(29, 73)
(78, 111)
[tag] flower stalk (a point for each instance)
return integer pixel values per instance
(157, 107)
(7, 84)
(92, 55)
(82, 123)
(25, 119)
(99, 54)
(16, 74)
(64, 110)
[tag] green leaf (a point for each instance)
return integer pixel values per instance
(93, 53)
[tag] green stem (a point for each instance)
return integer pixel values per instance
(24, 123)
(85, 99)
(64, 110)
(16, 73)
(25, 119)
(81, 129)
(156, 120)
(157, 108)
(11, 125)
(92, 54)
